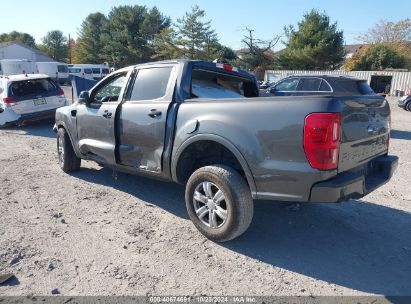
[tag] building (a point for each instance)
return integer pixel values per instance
(398, 82)
(18, 50)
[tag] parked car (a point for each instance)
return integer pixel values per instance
(58, 71)
(202, 124)
(265, 85)
(405, 102)
(319, 85)
(17, 66)
(28, 97)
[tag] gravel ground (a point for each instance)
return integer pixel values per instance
(97, 233)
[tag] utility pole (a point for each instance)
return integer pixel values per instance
(69, 47)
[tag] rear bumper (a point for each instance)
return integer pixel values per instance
(355, 183)
(36, 116)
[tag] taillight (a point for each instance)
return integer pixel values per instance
(322, 140)
(226, 67)
(60, 92)
(9, 101)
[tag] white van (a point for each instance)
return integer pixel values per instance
(58, 71)
(17, 66)
(81, 71)
(99, 71)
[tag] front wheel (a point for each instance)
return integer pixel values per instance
(219, 202)
(408, 106)
(68, 160)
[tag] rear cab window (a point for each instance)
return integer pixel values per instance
(29, 87)
(212, 84)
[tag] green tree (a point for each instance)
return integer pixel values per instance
(55, 45)
(379, 57)
(165, 45)
(315, 45)
(20, 37)
(90, 42)
(195, 36)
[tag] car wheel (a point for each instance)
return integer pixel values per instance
(219, 202)
(68, 160)
(408, 106)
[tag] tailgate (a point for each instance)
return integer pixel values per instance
(365, 130)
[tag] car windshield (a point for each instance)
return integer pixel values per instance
(32, 86)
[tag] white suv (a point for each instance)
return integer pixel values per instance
(28, 97)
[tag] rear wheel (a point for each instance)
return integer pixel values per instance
(68, 160)
(408, 106)
(219, 202)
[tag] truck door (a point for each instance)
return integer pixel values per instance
(96, 119)
(142, 124)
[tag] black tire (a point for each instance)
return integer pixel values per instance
(68, 160)
(237, 202)
(408, 106)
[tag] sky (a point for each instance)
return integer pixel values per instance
(229, 17)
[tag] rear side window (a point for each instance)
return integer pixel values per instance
(325, 87)
(352, 86)
(88, 71)
(62, 69)
(151, 83)
(32, 86)
(96, 71)
(309, 84)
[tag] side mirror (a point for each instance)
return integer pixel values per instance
(272, 90)
(84, 97)
(1, 110)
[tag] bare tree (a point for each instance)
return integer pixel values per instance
(387, 32)
(258, 53)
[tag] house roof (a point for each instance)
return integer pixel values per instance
(36, 51)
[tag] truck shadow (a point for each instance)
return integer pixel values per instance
(42, 128)
(356, 244)
(397, 134)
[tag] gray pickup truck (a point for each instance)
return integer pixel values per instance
(202, 124)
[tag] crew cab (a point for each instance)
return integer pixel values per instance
(203, 124)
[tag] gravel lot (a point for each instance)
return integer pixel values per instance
(97, 233)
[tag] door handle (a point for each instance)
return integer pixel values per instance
(107, 114)
(74, 113)
(154, 113)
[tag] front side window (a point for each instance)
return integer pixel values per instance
(110, 91)
(96, 71)
(287, 85)
(151, 83)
